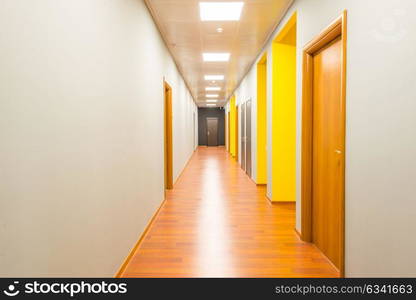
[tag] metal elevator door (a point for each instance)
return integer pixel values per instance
(248, 137)
(212, 131)
(243, 136)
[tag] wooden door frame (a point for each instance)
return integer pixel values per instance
(229, 133)
(337, 29)
(236, 132)
(167, 92)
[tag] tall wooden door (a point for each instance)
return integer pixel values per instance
(327, 145)
(236, 132)
(212, 132)
(228, 132)
(168, 138)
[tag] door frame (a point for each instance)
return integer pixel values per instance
(167, 92)
(335, 30)
(206, 126)
(228, 132)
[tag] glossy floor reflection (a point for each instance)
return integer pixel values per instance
(217, 223)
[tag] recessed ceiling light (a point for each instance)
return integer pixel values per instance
(220, 11)
(210, 104)
(213, 88)
(216, 56)
(211, 100)
(214, 77)
(220, 29)
(212, 95)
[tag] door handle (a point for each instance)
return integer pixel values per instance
(208, 132)
(338, 151)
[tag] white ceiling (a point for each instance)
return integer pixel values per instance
(188, 37)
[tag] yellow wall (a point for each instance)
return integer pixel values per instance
(262, 121)
(232, 126)
(284, 115)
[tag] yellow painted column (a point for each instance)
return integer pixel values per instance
(232, 126)
(262, 121)
(284, 117)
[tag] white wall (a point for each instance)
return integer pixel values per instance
(381, 122)
(185, 139)
(81, 130)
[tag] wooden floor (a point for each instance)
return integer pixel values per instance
(217, 223)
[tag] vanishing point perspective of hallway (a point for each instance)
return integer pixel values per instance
(216, 222)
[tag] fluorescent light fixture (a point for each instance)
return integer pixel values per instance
(211, 100)
(213, 88)
(216, 56)
(220, 11)
(212, 95)
(209, 104)
(214, 77)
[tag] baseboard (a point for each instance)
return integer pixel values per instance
(137, 245)
(280, 202)
(298, 234)
(341, 274)
(184, 168)
(149, 225)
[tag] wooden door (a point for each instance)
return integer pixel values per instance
(228, 131)
(168, 138)
(212, 132)
(236, 133)
(327, 147)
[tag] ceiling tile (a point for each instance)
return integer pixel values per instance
(188, 37)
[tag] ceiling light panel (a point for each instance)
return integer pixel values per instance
(216, 56)
(212, 95)
(214, 77)
(209, 104)
(187, 37)
(212, 100)
(220, 11)
(213, 88)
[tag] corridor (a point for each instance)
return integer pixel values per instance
(217, 223)
(207, 138)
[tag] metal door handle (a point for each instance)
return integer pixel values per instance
(338, 151)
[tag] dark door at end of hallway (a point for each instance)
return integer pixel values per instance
(212, 132)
